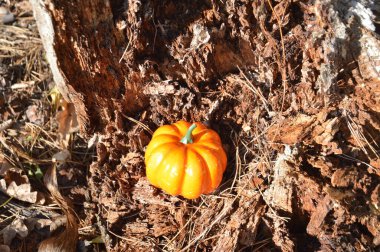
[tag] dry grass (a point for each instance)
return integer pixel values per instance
(23, 47)
(25, 144)
(359, 136)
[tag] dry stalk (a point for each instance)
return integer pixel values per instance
(358, 134)
(138, 123)
(283, 61)
(283, 69)
(255, 90)
(67, 240)
(222, 214)
(184, 226)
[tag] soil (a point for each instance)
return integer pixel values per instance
(292, 88)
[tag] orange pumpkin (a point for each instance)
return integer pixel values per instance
(185, 159)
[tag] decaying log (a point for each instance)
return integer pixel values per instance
(83, 48)
(114, 56)
(103, 53)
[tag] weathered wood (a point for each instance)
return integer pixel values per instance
(83, 47)
(308, 76)
(104, 53)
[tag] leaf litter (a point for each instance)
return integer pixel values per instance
(67, 240)
(33, 131)
(17, 186)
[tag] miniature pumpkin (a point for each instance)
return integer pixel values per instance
(185, 159)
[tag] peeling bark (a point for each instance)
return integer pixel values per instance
(83, 48)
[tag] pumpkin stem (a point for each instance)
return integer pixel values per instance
(188, 137)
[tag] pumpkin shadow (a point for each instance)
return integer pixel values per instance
(229, 132)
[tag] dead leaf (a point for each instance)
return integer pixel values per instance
(34, 114)
(67, 240)
(62, 156)
(376, 164)
(372, 223)
(257, 182)
(113, 217)
(21, 192)
(57, 222)
(24, 6)
(67, 122)
(16, 185)
(17, 227)
(4, 248)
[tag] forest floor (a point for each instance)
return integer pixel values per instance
(301, 136)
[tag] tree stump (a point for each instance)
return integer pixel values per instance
(296, 81)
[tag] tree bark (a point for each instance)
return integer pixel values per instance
(83, 47)
(304, 63)
(102, 53)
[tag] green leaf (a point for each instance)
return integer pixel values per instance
(97, 239)
(38, 173)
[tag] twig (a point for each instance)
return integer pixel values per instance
(283, 71)
(139, 123)
(255, 90)
(125, 51)
(6, 125)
